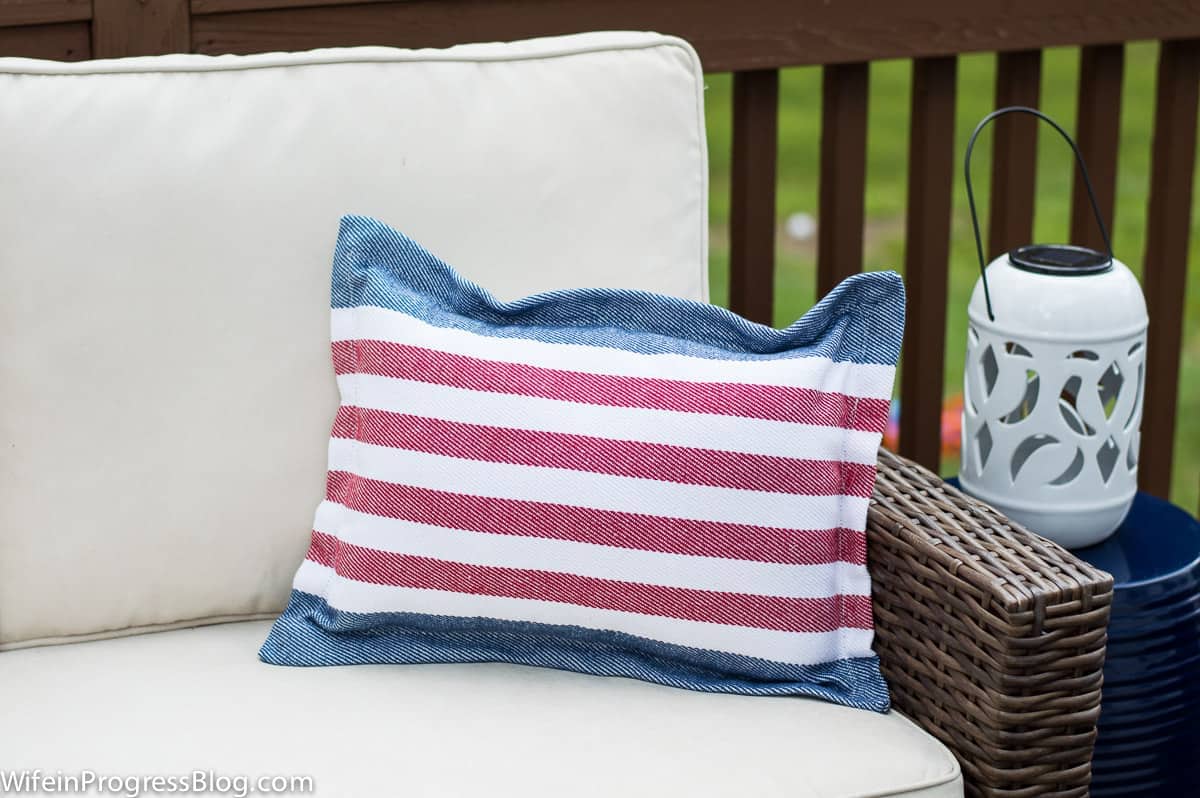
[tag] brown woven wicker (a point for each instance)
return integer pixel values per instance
(991, 637)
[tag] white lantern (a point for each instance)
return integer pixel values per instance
(1053, 384)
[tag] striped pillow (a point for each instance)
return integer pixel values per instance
(605, 481)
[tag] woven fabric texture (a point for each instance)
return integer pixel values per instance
(606, 481)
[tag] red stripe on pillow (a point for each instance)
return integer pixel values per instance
(600, 527)
(781, 613)
(667, 463)
(772, 402)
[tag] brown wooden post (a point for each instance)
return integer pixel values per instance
(1098, 134)
(140, 27)
(1168, 227)
(927, 256)
(752, 201)
(843, 173)
(1014, 154)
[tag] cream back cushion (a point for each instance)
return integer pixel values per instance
(166, 228)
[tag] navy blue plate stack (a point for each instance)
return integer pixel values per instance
(1149, 735)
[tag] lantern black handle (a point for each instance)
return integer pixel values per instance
(1087, 182)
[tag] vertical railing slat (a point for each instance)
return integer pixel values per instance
(1098, 133)
(843, 173)
(927, 256)
(1168, 222)
(752, 200)
(1014, 154)
(135, 27)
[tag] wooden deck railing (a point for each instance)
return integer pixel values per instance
(753, 39)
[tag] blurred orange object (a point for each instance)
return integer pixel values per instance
(951, 426)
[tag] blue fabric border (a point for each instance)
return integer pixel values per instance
(861, 320)
(312, 633)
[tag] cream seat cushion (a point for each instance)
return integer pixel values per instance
(193, 699)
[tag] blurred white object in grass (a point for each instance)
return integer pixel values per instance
(801, 226)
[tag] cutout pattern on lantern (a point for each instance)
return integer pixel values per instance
(1052, 417)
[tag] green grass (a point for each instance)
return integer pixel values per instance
(887, 167)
